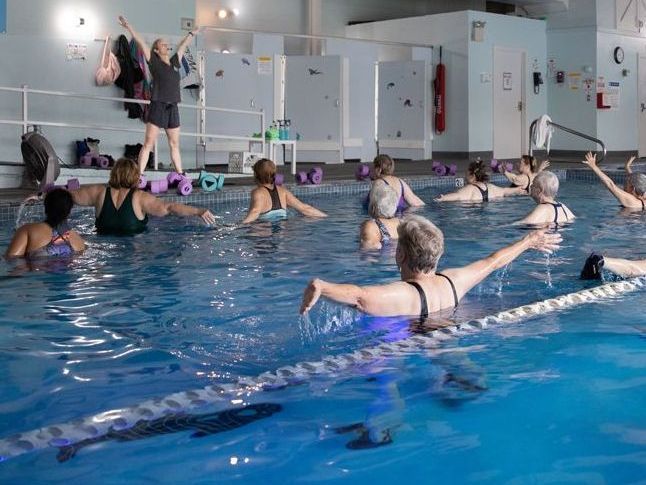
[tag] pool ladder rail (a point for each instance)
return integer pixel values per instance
(532, 129)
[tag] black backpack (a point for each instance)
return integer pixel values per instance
(42, 165)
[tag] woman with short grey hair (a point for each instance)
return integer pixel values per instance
(634, 195)
(548, 211)
(422, 290)
(382, 227)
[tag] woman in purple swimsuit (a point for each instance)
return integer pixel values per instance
(384, 167)
(51, 238)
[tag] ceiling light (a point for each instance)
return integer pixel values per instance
(235, 11)
(222, 13)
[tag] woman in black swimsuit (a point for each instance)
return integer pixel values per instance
(548, 211)
(422, 290)
(478, 188)
(528, 168)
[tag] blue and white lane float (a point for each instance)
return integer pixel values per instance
(226, 394)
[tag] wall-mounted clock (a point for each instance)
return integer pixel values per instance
(618, 55)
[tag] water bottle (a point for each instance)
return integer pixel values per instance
(287, 125)
(281, 130)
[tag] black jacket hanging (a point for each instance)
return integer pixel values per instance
(130, 75)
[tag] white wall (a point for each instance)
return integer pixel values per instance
(34, 54)
(618, 128)
(291, 16)
(580, 13)
(46, 18)
(450, 31)
(572, 49)
(502, 31)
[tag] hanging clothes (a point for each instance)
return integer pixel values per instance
(131, 74)
(143, 88)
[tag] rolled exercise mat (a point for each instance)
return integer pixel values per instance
(185, 187)
(315, 176)
(103, 162)
(208, 182)
(174, 179)
(362, 172)
(86, 160)
(73, 184)
(440, 170)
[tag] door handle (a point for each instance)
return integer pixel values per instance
(520, 105)
(643, 107)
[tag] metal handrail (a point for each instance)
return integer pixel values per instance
(532, 127)
(26, 122)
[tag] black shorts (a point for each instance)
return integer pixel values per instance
(163, 115)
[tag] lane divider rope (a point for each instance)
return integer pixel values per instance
(222, 394)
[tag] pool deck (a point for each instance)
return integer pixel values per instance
(332, 172)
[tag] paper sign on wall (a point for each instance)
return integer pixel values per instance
(75, 51)
(265, 65)
(506, 81)
(587, 88)
(574, 80)
(612, 94)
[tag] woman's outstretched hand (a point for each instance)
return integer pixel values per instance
(311, 295)
(543, 241)
(124, 22)
(590, 159)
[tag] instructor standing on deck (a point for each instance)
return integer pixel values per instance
(163, 112)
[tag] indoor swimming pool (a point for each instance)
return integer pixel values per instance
(555, 398)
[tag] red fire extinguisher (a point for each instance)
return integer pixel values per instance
(439, 86)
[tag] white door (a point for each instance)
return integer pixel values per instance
(641, 108)
(508, 103)
(314, 105)
(403, 114)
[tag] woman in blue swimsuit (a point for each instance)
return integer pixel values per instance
(270, 201)
(51, 238)
(381, 228)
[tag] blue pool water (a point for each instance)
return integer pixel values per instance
(558, 398)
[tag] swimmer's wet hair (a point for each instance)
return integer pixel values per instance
(531, 161)
(638, 181)
(58, 205)
(264, 171)
(479, 171)
(421, 242)
(546, 184)
(383, 200)
(384, 165)
(124, 174)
